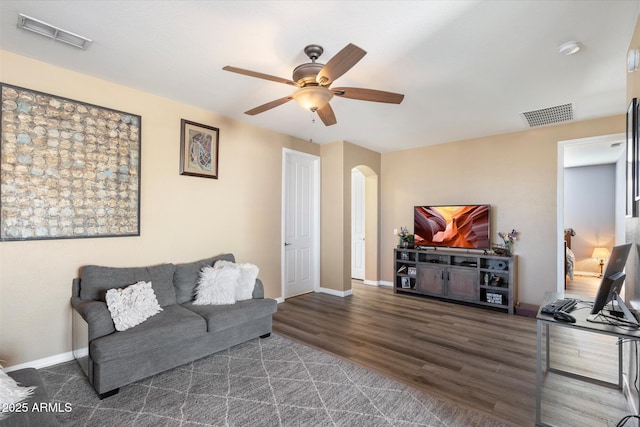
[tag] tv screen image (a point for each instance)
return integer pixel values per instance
(458, 226)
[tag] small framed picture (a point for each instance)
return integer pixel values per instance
(406, 283)
(411, 271)
(198, 149)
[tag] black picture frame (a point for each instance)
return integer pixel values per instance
(199, 149)
(632, 158)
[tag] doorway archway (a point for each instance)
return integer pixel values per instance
(364, 223)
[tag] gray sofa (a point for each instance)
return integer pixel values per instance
(181, 333)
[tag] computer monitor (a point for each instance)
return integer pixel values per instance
(611, 284)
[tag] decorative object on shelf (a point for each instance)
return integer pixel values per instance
(69, 169)
(198, 149)
(406, 238)
(508, 239)
(600, 254)
(406, 283)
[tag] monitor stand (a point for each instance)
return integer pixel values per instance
(624, 312)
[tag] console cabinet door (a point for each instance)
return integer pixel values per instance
(463, 284)
(430, 280)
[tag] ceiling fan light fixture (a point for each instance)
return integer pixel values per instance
(313, 97)
(569, 48)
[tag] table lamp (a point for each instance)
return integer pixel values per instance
(600, 254)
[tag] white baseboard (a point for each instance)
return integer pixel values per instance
(335, 293)
(385, 283)
(371, 282)
(47, 361)
(279, 300)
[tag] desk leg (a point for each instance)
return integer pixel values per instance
(548, 347)
(539, 370)
(619, 364)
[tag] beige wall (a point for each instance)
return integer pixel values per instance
(182, 218)
(516, 173)
(338, 159)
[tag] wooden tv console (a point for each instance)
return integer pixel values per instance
(472, 278)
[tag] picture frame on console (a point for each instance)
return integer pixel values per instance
(199, 149)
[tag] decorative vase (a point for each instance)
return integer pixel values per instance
(404, 244)
(507, 248)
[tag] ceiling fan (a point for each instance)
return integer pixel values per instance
(313, 80)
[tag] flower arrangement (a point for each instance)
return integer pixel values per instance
(508, 239)
(406, 238)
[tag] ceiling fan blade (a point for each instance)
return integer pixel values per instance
(340, 64)
(368, 94)
(269, 105)
(326, 115)
(259, 75)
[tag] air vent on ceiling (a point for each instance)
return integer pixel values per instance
(548, 116)
(48, 30)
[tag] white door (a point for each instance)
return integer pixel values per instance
(357, 224)
(301, 203)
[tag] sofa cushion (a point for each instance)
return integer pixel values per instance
(220, 317)
(247, 275)
(172, 325)
(217, 286)
(96, 280)
(132, 305)
(186, 276)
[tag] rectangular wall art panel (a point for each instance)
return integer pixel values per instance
(67, 169)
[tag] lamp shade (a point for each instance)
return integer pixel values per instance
(313, 97)
(600, 253)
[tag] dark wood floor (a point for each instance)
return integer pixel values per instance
(480, 359)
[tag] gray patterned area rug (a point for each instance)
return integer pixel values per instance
(264, 382)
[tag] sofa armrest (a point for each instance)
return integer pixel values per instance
(97, 316)
(258, 290)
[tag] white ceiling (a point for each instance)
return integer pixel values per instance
(467, 68)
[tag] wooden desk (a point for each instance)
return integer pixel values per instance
(545, 320)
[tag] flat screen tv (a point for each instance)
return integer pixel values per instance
(459, 226)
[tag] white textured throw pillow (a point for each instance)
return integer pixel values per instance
(132, 305)
(246, 280)
(11, 394)
(217, 286)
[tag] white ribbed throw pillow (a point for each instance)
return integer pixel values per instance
(132, 305)
(248, 273)
(11, 394)
(217, 286)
